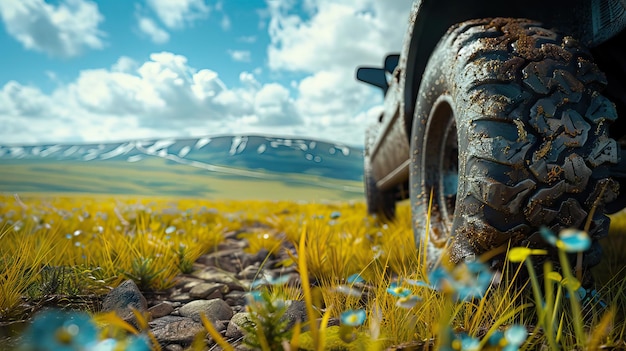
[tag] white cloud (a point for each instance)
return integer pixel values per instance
(225, 24)
(338, 34)
(175, 14)
(157, 34)
(27, 101)
(248, 80)
(274, 107)
(330, 93)
(63, 30)
(240, 55)
(165, 96)
(328, 42)
(247, 39)
(162, 97)
(105, 92)
(124, 64)
(333, 105)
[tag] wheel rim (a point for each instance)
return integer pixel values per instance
(440, 167)
(449, 170)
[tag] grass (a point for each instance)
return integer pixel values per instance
(157, 176)
(76, 246)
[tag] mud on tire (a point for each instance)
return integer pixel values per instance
(532, 130)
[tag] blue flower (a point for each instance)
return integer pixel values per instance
(71, 331)
(348, 290)
(106, 345)
(408, 302)
(588, 296)
(139, 343)
(497, 339)
(398, 291)
(353, 318)
(281, 280)
(515, 336)
(458, 342)
(417, 283)
(509, 340)
(569, 240)
(466, 281)
(573, 240)
(440, 280)
(254, 297)
(269, 280)
(355, 278)
(60, 330)
(259, 282)
(468, 343)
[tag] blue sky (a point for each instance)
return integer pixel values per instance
(95, 71)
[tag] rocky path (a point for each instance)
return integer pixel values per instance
(217, 287)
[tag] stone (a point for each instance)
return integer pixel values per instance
(175, 330)
(190, 285)
(235, 326)
(123, 299)
(184, 297)
(186, 282)
(235, 298)
(250, 272)
(220, 326)
(220, 293)
(296, 311)
(203, 290)
(161, 309)
(237, 243)
(215, 310)
(175, 304)
(259, 256)
(213, 258)
(215, 295)
(213, 275)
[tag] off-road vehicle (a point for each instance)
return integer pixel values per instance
(504, 114)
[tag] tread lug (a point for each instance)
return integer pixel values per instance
(576, 173)
(601, 109)
(604, 150)
(565, 81)
(500, 196)
(571, 214)
(537, 211)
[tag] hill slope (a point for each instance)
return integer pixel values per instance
(219, 167)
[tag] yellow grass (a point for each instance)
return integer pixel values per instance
(114, 238)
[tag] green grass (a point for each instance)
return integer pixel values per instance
(157, 176)
(95, 242)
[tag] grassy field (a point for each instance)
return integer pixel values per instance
(98, 241)
(157, 176)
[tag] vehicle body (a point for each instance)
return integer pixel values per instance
(392, 146)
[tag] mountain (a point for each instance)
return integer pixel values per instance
(295, 163)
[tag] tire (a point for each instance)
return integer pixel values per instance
(510, 134)
(380, 203)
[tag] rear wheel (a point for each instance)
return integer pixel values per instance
(379, 202)
(510, 133)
